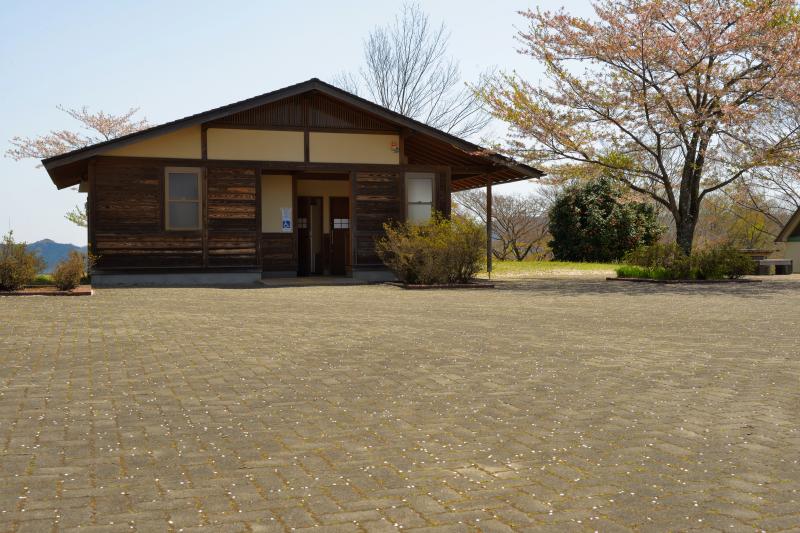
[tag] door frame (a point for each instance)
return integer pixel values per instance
(347, 243)
(320, 225)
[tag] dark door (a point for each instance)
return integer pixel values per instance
(309, 235)
(340, 234)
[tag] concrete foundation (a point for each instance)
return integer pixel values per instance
(374, 275)
(176, 279)
(279, 274)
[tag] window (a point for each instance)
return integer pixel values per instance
(183, 209)
(419, 195)
(341, 223)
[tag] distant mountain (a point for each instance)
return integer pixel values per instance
(54, 252)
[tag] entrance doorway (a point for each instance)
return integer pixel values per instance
(323, 223)
(339, 223)
(309, 236)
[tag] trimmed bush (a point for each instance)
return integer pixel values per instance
(662, 261)
(722, 262)
(18, 265)
(69, 272)
(667, 261)
(440, 251)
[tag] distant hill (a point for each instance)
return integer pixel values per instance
(54, 252)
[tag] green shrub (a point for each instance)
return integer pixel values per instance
(657, 255)
(42, 279)
(664, 261)
(720, 262)
(18, 266)
(739, 265)
(69, 272)
(436, 252)
(667, 261)
(707, 265)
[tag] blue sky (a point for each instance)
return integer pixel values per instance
(173, 59)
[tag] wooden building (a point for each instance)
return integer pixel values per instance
(295, 181)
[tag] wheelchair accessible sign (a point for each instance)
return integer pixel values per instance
(286, 219)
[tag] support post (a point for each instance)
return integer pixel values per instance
(489, 224)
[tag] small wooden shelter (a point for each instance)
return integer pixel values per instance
(295, 181)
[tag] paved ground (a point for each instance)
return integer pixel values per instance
(561, 405)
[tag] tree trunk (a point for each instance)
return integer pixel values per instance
(688, 211)
(685, 227)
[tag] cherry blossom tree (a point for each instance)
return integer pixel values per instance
(680, 98)
(94, 127)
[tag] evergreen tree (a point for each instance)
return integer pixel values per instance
(592, 222)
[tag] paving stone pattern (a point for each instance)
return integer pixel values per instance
(541, 405)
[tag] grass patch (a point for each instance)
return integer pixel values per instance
(631, 271)
(520, 268)
(43, 279)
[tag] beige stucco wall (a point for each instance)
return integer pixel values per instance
(183, 143)
(353, 148)
(255, 145)
(267, 145)
(276, 192)
(793, 252)
(326, 189)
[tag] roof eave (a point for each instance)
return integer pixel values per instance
(790, 226)
(54, 162)
(198, 118)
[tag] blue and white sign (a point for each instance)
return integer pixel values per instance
(286, 219)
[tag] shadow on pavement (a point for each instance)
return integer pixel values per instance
(768, 288)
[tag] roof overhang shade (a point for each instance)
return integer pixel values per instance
(471, 163)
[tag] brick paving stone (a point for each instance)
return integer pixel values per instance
(404, 517)
(542, 405)
(494, 526)
(352, 516)
(379, 526)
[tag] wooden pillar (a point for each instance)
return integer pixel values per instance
(306, 128)
(91, 197)
(204, 142)
(489, 224)
(259, 219)
(204, 207)
(353, 227)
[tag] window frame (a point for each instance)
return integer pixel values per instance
(198, 172)
(417, 175)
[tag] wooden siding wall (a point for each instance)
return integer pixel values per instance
(327, 113)
(278, 252)
(128, 221)
(232, 223)
(378, 198)
(323, 113)
(284, 113)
